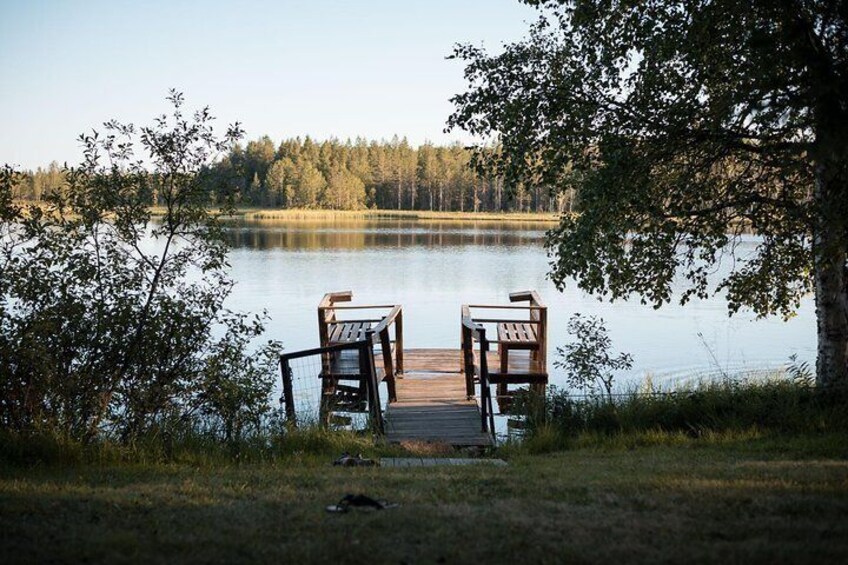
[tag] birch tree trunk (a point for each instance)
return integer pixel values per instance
(830, 249)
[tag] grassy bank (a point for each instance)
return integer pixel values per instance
(737, 497)
(755, 473)
(779, 406)
(412, 215)
(399, 215)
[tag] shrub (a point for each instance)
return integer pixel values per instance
(108, 321)
(588, 362)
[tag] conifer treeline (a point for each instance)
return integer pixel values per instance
(352, 175)
(302, 173)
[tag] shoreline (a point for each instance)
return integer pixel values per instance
(270, 214)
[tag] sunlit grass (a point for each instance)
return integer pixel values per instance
(297, 214)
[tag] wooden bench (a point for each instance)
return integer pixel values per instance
(516, 335)
(333, 330)
(530, 335)
(522, 346)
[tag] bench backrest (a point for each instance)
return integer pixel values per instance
(327, 314)
(538, 313)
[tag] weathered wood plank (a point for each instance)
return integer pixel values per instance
(450, 361)
(432, 403)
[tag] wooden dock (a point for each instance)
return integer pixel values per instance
(432, 403)
(434, 395)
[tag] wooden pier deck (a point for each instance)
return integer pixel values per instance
(432, 403)
(429, 398)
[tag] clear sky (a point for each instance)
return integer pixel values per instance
(325, 68)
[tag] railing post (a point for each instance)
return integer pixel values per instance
(468, 360)
(388, 363)
(485, 407)
(288, 393)
(399, 343)
(369, 372)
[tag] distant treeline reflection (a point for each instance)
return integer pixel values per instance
(366, 234)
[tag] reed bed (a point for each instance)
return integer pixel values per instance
(301, 214)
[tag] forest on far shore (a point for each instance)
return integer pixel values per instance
(351, 175)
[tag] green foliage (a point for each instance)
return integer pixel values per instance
(108, 320)
(680, 126)
(308, 187)
(588, 362)
(185, 442)
(345, 191)
(800, 372)
(777, 407)
(236, 386)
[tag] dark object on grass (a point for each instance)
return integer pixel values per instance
(348, 460)
(359, 501)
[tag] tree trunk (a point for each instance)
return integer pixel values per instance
(831, 284)
(832, 321)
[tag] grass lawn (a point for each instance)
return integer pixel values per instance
(750, 500)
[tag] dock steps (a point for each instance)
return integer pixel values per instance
(432, 404)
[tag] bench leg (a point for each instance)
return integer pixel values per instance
(503, 402)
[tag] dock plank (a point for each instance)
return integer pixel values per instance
(432, 405)
(450, 360)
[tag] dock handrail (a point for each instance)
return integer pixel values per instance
(366, 360)
(367, 370)
(379, 335)
(471, 332)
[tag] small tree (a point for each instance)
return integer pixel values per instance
(588, 362)
(107, 318)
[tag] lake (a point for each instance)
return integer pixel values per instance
(432, 267)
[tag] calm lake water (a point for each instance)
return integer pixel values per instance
(431, 268)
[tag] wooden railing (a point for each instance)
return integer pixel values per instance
(332, 373)
(477, 366)
(392, 356)
(512, 335)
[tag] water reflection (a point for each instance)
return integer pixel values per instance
(305, 235)
(431, 268)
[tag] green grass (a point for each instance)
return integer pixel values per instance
(186, 447)
(642, 497)
(776, 406)
(740, 473)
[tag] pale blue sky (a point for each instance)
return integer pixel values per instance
(323, 68)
